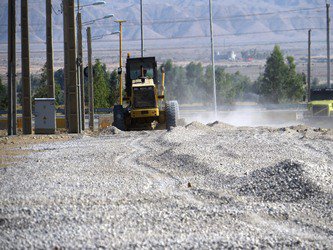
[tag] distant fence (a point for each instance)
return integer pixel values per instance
(248, 107)
(203, 108)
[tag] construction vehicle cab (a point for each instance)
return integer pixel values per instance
(321, 103)
(144, 96)
(320, 109)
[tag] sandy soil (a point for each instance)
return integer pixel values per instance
(199, 186)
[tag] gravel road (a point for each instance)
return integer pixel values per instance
(199, 186)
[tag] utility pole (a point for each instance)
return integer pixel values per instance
(328, 44)
(80, 65)
(26, 85)
(90, 80)
(309, 66)
(212, 54)
(79, 69)
(142, 35)
(66, 84)
(72, 76)
(11, 116)
(49, 51)
(120, 60)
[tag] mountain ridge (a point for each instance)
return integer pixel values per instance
(245, 23)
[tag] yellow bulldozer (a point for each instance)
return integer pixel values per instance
(145, 107)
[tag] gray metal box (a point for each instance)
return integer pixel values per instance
(45, 116)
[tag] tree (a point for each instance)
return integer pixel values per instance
(194, 84)
(59, 77)
(229, 87)
(175, 82)
(295, 83)
(274, 76)
(194, 79)
(3, 96)
(101, 86)
(114, 88)
(42, 92)
(315, 83)
(40, 88)
(280, 81)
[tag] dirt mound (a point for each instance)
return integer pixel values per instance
(285, 181)
(196, 125)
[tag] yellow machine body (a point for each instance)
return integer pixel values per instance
(151, 115)
(145, 107)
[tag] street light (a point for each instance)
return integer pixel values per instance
(98, 19)
(79, 7)
(102, 36)
(90, 74)
(212, 55)
(120, 22)
(80, 60)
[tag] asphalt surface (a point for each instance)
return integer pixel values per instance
(197, 186)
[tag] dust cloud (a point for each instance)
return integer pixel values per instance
(244, 117)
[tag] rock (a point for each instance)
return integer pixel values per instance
(112, 130)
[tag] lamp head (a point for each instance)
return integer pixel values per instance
(99, 3)
(108, 16)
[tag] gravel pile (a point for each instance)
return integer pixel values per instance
(196, 125)
(220, 125)
(285, 181)
(199, 186)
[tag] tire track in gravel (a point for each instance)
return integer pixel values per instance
(158, 180)
(128, 160)
(191, 195)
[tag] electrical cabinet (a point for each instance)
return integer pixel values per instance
(45, 116)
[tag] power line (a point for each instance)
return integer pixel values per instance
(200, 19)
(158, 21)
(189, 48)
(191, 37)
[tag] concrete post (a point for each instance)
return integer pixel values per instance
(66, 101)
(49, 50)
(11, 116)
(26, 85)
(328, 45)
(80, 68)
(91, 81)
(72, 64)
(309, 66)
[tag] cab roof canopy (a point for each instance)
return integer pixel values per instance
(321, 94)
(134, 68)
